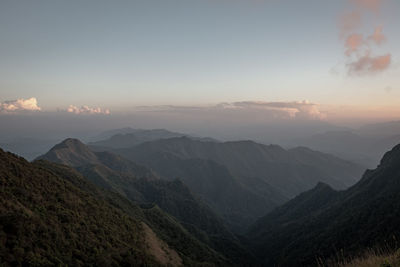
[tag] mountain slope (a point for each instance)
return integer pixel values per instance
(216, 186)
(347, 222)
(46, 220)
(141, 185)
(74, 153)
(190, 249)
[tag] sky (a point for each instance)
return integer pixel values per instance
(327, 60)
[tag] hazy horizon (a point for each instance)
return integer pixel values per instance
(332, 61)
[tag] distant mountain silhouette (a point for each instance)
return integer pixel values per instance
(322, 222)
(128, 137)
(380, 129)
(365, 145)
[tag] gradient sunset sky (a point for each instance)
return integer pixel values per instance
(120, 54)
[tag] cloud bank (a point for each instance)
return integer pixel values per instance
(267, 110)
(297, 109)
(19, 105)
(87, 110)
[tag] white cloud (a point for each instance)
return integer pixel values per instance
(19, 105)
(87, 110)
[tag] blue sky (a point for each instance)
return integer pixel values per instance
(120, 54)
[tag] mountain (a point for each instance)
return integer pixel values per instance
(254, 165)
(167, 228)
(140, 185)
(216, 186)
(128, 137)
(52, 215)
(242, 180)
(323, 223)
(107, 134)
(46, 220)
(73, 152)
(365, 145)
(381, 129)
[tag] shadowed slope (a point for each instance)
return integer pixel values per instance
(329, 222)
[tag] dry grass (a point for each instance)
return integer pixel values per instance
(160, 250)
(372, 258)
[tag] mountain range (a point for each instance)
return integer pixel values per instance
(127, 137)
(76, 206)
(365, 145)
(241, 180)
(189, 201)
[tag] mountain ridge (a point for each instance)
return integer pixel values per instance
(350, 221)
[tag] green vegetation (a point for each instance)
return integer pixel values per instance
(177, 237)
(46, 220)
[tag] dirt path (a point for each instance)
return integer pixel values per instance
(159, 249)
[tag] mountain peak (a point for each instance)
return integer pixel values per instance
(321, 185)
(70, 142)
(71, 152)
(392, 157)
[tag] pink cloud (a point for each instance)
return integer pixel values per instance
(353, 43)
(361, 59)
(370, 65)
(349, 22)
(378, 37)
